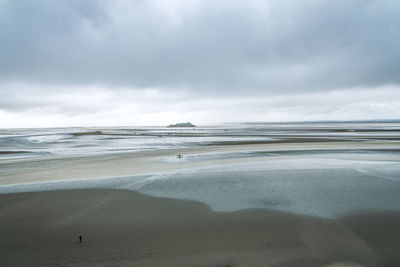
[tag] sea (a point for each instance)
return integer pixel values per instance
(324, 169)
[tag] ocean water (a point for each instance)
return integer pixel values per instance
(51, 142)
(288, 172)
(25, 143)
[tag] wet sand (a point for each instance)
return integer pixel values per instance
(124, 228)
(16, 171)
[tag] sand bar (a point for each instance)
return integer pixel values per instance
(149, 162)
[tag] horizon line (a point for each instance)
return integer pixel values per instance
(219, 124)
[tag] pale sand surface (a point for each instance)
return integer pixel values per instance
(124, 164)
(124, 228)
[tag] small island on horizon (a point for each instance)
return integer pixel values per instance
(181, 124)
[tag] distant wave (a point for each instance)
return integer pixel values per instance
(278, 140)
(13, 152)
(87, 133)
(46, 138)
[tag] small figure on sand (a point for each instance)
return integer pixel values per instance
(179, 156)
(80, 239)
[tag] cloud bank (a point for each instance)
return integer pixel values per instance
(56, 54)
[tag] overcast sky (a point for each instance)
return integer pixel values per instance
(124, 62)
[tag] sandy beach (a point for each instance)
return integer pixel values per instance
(124, 228)
(236, 201)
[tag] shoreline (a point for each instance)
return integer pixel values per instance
(122, 228)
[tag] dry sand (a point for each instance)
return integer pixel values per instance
(124, 228)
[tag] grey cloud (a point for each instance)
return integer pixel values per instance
(216, 47)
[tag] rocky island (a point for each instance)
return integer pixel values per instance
(182, 124)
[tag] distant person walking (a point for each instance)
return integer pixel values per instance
(80, 239)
